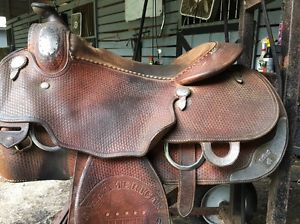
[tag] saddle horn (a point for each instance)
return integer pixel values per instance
(48, 12)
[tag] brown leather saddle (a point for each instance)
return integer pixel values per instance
(201, 120)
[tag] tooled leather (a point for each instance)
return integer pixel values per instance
(221, 109)
(96, 107)
(35, 164)
(97, 110)
(91, 108)
(104, 182)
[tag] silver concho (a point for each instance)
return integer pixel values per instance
(182, 93)
(48, 42)
(16, 64)
(45, 85)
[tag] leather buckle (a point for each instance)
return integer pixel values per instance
(21, 147)
(11, 134)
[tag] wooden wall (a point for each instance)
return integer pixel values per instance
(115, 34)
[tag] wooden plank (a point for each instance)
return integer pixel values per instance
(18, 46)
(117, 36)
(246, 32)
(13, 20)
(21, 41)
(275, 4)
(21, 27)
(109, 19)
(73, 4)
(29, 19)
(274, 17)
(120, 7)
(162, 42)
(119, 19)
(112, 45)
(66, 7)
(171, 19)
(146, 52)
(20, 32)
(168, 30)
(21, 36)
(107, 3)
(111, 10)
(173, 6)
(122, 51)
(252, 4)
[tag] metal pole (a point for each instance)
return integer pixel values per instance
(273, 49)
(138, 44)
(225, 19)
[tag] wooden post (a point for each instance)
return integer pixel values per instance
(279, 192)
(246, 31)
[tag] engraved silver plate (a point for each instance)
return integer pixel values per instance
(48, 41)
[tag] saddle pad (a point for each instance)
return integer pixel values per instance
(117, 191)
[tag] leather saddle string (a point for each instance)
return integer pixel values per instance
(187, 180)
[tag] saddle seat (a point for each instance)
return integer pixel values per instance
(203, 61)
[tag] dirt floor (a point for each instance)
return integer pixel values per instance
(37, 202)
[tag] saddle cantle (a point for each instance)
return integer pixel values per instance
(200, 120)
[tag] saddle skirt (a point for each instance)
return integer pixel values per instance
(95, 102)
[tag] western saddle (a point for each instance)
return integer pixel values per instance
(129, 128)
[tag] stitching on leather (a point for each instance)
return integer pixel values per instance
(214, 48)
(123, 70)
